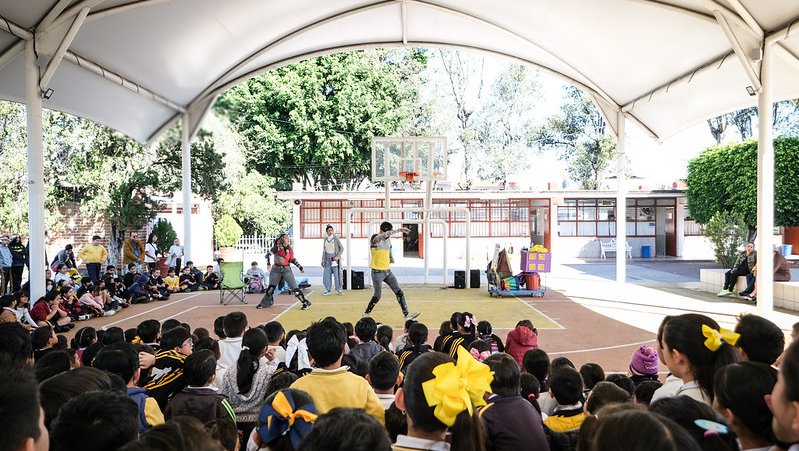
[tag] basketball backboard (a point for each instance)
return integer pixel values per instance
(420, 158)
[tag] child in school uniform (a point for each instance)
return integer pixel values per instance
(198, 399)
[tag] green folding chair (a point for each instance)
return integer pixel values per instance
(232, 285)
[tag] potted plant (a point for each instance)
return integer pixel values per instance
(226, 234)
(166, 236)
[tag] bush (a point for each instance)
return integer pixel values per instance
(227, 231)
(726, 232)
(166, 235)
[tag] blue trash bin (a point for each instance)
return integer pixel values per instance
(646, 251)
(787, 249)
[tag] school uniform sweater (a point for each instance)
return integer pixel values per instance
(203, 403)
(408, 355)
(340, 388)
(247, 406)
(166, 377)
(149, 413)
(450, 343)
(566, 418)
(512, 423)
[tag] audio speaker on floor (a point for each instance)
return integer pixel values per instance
(474, 278)
(357, 280)
(460, 279)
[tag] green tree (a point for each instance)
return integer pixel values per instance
(253, 203)
(724, 179)
(579, 133)
(312, 122)
(726, 231)
(227, 231)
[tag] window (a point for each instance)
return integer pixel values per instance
(597, 217)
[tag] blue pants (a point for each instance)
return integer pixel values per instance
(332, 270)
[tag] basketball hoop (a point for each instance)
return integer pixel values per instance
(409, 176)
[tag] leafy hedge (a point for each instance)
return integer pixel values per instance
(724, 178)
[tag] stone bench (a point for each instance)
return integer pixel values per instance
(786, 294)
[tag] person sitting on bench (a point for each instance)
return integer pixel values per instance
(746, 260)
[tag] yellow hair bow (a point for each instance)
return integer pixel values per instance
(457, 387)
(283, 417)
(715, 337)
(283, 407)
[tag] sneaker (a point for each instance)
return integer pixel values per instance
(306, 306)
(326, 293)
(110, 313)
(723, 293)
(119, 299)
(340, 293)
(743, 294)
(411, 315)
(259, 306)
(83, 317)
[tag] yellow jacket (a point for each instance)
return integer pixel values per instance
(340, 388)
(93, 254)
(563, 424)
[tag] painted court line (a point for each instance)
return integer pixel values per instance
(560, 326)
(604, 348)
(150, 311)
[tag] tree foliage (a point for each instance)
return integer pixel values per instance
(726, 231)
(253, 203)
(312, 122)
(227, 231)
(724, 179)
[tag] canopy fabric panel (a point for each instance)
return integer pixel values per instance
(137, 65)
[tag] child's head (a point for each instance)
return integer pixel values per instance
(528, 324)
(225, 432)
(84, 337)
(785, 397)
(445, 329)
(274, 332)
(384, 370)
(365, 329)
(506, 374)
(480, 350)
(685, 410)
(149, 331)
(417, 334)
(234, 324)
(760, 340)
(645, 390)
(170, 272)
(536, 362)
(23, 427)
(689, 352)
(384, 335)
(348, 428)
(409, 323)
(200, 368)
(467, 324)
(622, 381)
(170, 324)
(795, 332)
(605, 393)
(566, 385)
(202, 332)
(349, 328)
(219, 328)
(209, 269)
(178, 339)
(591, 373)
(279, 381)
(529, 386)
(275, 430)
(253, 346)
(52, 363)
(628, 429)
(325, 342)
(644, 362)
(43, 337)
(254, 265)
(740, 389)
(120, 359)
(95, 421)
(484, 328)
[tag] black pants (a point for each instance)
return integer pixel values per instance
(16, 277)
(94, 271)
(731, 276)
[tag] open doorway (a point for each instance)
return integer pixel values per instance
(410, 243)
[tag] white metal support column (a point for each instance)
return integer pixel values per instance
(765, 187)
(621, 202)
(185, 141)
(33, 108)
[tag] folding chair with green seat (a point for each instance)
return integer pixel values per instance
(232, 285)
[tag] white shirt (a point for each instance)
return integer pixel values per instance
(669, 387)
(693, 390)
(330, 246)
(229, 350)
(420, 443)
(59, 277)
(151, 250)
(299, 347)
(385, 399)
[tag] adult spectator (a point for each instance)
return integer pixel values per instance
(760, 341)
(18, 258)
(64, 257)
(23, 420)
(133, 251)
(151, 252)
(95, 421)
(746, 260)
(5, 263)
(175, 255)
(782, 273)
(784, 400)
(15, 347)
(94, 255)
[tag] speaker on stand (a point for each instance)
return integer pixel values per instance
(474, 278)
(460, 279)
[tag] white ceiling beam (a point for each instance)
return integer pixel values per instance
(15, 29)
(742, 53)
(12, 52)
(53, 14)
(45, 78)
(71, 12)
(125, 7)
(747, 17)
(404, 22)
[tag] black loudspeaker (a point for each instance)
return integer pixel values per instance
(460, 279)
(357, 280)
(474, 278)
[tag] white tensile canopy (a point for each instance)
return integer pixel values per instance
(140, 65)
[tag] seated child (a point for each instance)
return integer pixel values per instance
(167, 377)
(566, 386)
(101, 305)
(365, 329)
(417, 339)
(198, 399)
(157, 285)
(383, 376)
(211, 279)
(187, 280)
(172, 282)
(138, 292)
(485, 333)
(480, 350)
(255, 278)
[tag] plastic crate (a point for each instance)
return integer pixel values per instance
(536, 261)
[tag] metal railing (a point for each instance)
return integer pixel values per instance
(256, 244)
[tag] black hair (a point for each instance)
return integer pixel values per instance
(761, 340)
(445, 328)
(110, 267)
(219, 329)
(591, 373)
(19, 406)
(384, 335)
(41, 336)
(61, 342)
(6, 301)
(480, 345)
(530, 389)
(15, 345)
(148, 330)
(384, 369)
(558, 362)
(113, 335)
(467, 432)
(622, 381)
(472, 327)
(344, 428)
(396, 423)
(169, 324)
(224, 431)
(174, 338)
(280, 381)
(274, 331)
(684, 410)
(684, 334)
(409, 323)
(385, 226)
(528, 324)
(745, 400)
(790, 372)
(605, 393)
(52, 363)
(640, 430)
(566, 385)
(100, 420)
(247, 365)
(59, 389)
(234, 324)
(454, 319)
(202, 332)
(355, 365)
(325, 340)
(119, 358)
(484, 328)
(536, 362)
(90, 353)
(417, 334)
(84, 338)
(199, 367)
(365, 329)
(645, 390)
(506, 370)
(178, 434)
(131, 334)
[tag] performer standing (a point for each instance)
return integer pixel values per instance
(381, 269)
(331, 261)
(281, 271)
